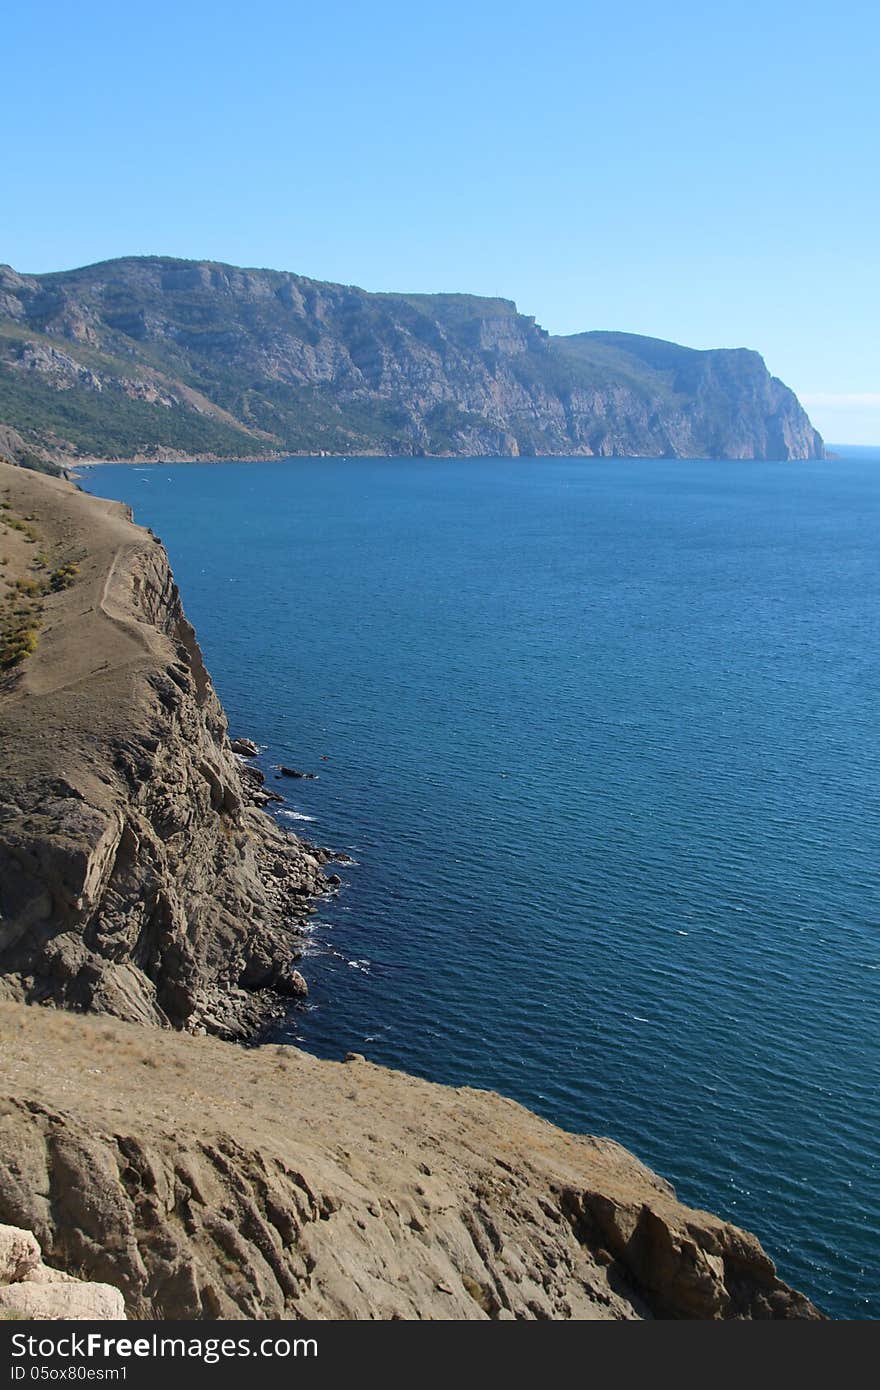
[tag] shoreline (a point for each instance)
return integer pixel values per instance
(69, 468)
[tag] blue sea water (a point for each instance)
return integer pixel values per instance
(603, 739)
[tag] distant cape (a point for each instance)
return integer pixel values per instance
(156, 358)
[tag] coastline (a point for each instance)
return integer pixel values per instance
(177, 900)
(274, 656)
(150, 901)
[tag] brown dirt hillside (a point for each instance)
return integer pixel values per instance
(206, 1180)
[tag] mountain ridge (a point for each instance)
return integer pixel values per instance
(158, 357)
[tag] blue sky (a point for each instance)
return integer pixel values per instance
(696, 172)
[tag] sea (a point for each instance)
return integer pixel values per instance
(601, 737)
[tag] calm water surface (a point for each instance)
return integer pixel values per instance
(603, 739)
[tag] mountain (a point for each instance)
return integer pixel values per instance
(158, 358)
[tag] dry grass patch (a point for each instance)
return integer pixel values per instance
(30, 580)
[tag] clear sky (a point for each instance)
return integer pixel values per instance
(695, 171)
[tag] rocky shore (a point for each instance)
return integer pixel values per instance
(146, 895)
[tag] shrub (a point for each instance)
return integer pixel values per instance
(25, 527)
(28, 586)
(63, 577)
(18, 644)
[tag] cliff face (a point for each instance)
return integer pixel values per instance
(722, 404)
(154, 357)
(135, 876)
(206, 1180)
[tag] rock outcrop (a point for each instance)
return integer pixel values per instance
(147, 356)
(206, 1180)
(136, 876)
(31, 1289)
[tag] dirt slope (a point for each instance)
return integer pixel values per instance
(206, 1180)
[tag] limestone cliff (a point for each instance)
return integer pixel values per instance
(135, 876)
(156, 358)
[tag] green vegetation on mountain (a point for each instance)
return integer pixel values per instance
(156, 358)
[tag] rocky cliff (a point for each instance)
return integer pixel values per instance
(206, 1180)
(139, 887)
(158, 358)
(137, 877)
